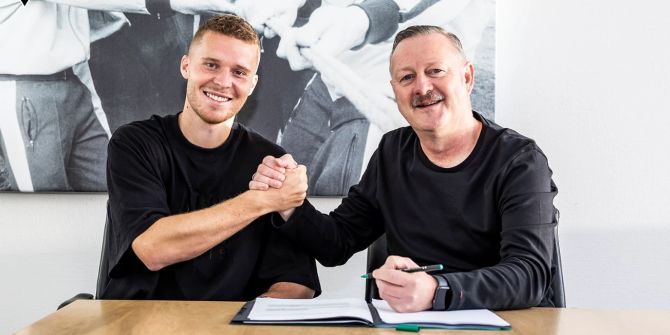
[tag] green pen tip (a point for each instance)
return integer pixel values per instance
(406, 327)
(441, 267)
(364, 276)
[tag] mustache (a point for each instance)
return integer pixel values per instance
(429, 98)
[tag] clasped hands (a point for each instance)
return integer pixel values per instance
(285, 178)
(404, 292)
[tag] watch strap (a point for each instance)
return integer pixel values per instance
(441, 293)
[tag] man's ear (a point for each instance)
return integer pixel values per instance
(254, 81)
(183, 66)
(469, 76)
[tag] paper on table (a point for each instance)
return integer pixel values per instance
(269, 309)
(462, 317)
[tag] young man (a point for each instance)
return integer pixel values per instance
(182, 225)
(452, 188)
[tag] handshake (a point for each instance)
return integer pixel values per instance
(281, 184)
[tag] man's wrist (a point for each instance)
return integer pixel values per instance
(159, 8)
(262, 202)
(383, 18)
(285, 215)
(442, 294)
(359, 17)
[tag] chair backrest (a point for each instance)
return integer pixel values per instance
(103, 278)
(103, 268)
(378, 251)
(557, 286)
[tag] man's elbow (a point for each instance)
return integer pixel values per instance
(289, 290)
(329, 259)
(146, 254)
(303, 293)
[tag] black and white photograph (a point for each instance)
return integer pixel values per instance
(324, 93)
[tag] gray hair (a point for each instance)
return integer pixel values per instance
(412, 31)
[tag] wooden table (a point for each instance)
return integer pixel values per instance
(205, 317)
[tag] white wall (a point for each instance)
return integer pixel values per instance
(587, 79)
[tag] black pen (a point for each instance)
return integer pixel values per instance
(425, 268)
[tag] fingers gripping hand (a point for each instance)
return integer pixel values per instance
(404, 292)
(330, 29)
(289, 195)
(334, 29)
(289, 49)
(287, 162)
(398, 263)
(259, 12)
(271, 172)
(294, 190)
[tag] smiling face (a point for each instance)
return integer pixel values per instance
(221, 73)
(432, 82)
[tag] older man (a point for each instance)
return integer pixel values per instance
(182, 224)
(453, 188)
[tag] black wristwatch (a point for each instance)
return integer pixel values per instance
(442, 294)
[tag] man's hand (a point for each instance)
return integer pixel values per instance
(404, 292)
(293, 190)
(331, 30)
(288, 190)
(216, 7)
(258, 12)
(271, 172)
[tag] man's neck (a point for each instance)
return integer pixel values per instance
(203, 134)
(453, 145)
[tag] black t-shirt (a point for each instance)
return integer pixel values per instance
(154, 171)
(489, 220)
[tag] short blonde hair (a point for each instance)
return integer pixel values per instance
(229, 25)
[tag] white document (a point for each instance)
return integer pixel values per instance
(455, 318)
(351, 310)
(269, 309)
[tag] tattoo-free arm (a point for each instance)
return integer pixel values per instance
(181, 237)
(289, 290)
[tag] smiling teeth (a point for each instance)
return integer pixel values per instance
(216, 97)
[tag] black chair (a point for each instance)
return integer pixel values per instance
(557, 286)
(103, 278)
(378, 252)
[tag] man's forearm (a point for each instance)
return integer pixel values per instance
(145, 6)
(128, 6)
(289, 291)
(181, 237)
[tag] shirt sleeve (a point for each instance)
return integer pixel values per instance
(523, 275)
(137, 199)
(283, 261)
(386, 15)
(350, 228)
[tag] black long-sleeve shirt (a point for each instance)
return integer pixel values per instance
(489, 220)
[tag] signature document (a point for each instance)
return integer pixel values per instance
(357, 311)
